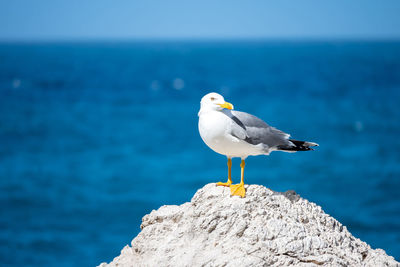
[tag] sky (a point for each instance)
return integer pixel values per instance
(205, 19)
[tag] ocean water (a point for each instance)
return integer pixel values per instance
(93, 136)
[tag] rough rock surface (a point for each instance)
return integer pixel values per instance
(264, 229)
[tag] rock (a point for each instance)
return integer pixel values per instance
(264, 229)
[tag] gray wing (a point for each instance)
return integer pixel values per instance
(255, 131)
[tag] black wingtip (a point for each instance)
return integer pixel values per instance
(298, 146)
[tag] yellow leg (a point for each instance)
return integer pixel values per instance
(229, 182)
(238, 189)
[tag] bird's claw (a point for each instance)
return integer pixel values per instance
(238, 190)
(228, 183)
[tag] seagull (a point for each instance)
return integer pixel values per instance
(238, 134)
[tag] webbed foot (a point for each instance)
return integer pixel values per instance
(238, 190)
(228, 183)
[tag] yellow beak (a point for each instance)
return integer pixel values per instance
(226, 105)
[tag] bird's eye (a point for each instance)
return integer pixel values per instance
(212, 98)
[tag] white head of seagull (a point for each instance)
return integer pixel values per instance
(213, 101)
(239, 134)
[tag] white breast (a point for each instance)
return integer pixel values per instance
(215, 129)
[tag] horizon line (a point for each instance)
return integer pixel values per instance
(202, 39)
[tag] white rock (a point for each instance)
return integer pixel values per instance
(264, 229)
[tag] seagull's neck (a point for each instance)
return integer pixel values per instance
(205, 110)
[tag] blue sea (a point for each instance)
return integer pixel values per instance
(94, 135)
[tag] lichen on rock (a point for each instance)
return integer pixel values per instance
(264, 229)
